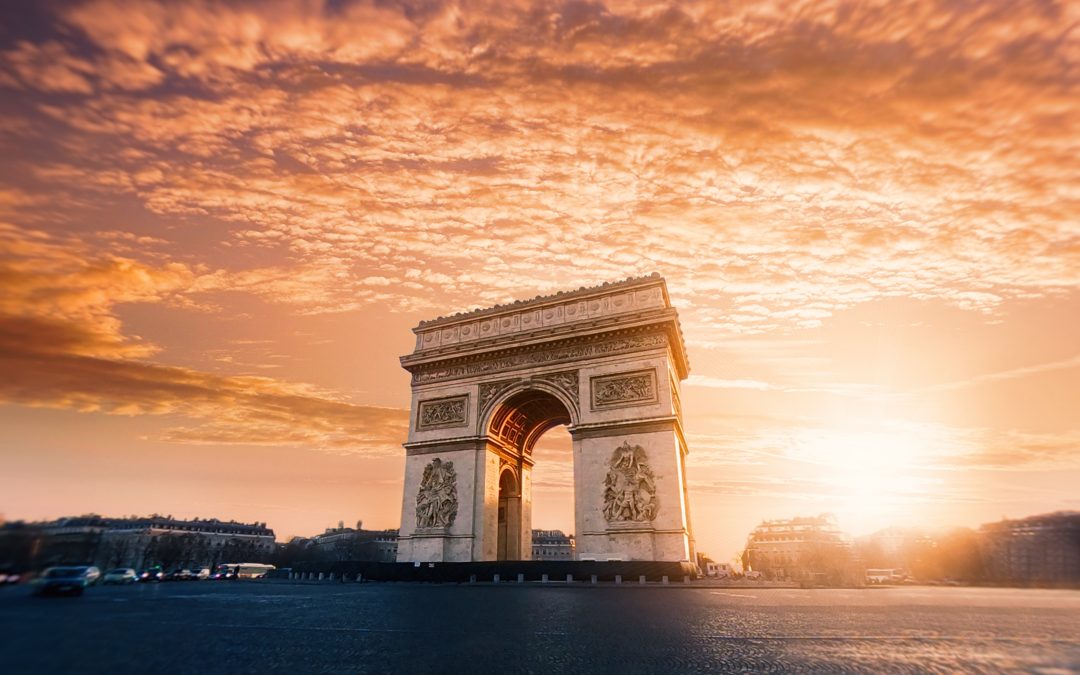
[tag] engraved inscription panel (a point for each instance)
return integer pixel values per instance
(443, 412)
(622, 389)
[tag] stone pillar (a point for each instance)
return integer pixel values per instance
(656, 453)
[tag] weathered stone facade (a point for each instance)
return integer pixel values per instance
(604, 361)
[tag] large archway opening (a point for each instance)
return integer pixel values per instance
(509, 517)
(553, 494)
(515, 428)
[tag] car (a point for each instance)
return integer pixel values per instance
(66, 580)
(152, 574)
(181, 575)
(93, 575)
(202, 573)
(120, 575)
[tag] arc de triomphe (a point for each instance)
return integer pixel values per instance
(605, 361)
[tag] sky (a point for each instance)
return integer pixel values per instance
(219, 222)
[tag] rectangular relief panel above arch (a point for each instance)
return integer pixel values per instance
(441, 413)
(618, 390)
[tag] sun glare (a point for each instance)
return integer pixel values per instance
(870, 477)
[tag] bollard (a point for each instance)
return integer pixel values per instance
(664, 580)
(521, 578)
(569, 578)
(641, 579)
(618, 578)
(686, 579)
(472, 578)
(331, 578)
(496, 579)
(544, 579)
(359, 577)
(592, 579)
(320, 576)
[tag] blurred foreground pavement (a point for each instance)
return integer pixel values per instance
(254, 627)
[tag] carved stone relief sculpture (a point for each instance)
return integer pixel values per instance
(624, 389)
(448, 412)
(567, 381)
(489, 390)
(630, 488)
(436, 501)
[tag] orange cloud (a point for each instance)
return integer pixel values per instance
(62, 346)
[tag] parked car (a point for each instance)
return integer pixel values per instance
(93, 575)
(181, 575)
(202, 573)
(152, 574)
(66, 580)
(120, 575)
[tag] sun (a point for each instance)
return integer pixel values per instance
(870, 476)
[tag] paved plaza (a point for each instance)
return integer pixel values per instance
(255, 627)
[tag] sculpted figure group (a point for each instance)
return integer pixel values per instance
(630, 489)
(436, 501)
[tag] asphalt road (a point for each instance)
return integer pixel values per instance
(257, 627)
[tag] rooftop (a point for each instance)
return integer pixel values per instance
(541, 299)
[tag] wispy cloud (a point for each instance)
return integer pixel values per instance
(1011, 374)
(397, 152)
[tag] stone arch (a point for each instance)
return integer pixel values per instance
(519, 416)
(604, 361)
(509, 533)
(563, 386)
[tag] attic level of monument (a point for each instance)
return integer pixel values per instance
(606, 362)
(594, 318)
(539, 300)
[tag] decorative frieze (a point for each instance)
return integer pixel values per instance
(436, 500)
(570, 352)
(543, 312)
(443, 412)
(629, 488)
(622, 389)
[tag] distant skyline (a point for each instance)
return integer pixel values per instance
(219, 222)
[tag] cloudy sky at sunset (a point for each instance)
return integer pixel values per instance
(219, 221)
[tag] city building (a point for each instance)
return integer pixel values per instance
(154, 540)
(348, 543)
(711, 568)
(806, 549)
(1038, 550)
(552, 545)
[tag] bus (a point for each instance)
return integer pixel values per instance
(241, 571)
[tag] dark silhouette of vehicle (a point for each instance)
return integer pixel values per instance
(66, 580)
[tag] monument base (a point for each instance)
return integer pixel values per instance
(509, 571)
